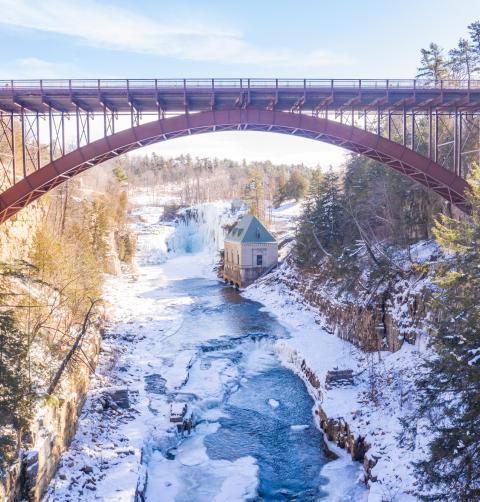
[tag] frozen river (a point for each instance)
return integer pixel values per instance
(255, 432)
(187, 338)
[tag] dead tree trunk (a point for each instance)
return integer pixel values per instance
(72, 350)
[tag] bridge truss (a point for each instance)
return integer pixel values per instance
(43, 121)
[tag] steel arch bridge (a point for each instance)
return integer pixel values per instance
(429, 131)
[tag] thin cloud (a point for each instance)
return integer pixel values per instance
(35, 68)
(114, 28)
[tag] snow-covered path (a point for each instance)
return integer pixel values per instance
(178, 336)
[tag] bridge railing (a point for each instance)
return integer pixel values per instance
(233, 83)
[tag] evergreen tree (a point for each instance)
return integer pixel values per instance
(297, 185)
(281, 183)
(16, 394)
(434, 65)
(464, 60)
(294, 188)
(449, 391)
(320, 229)
(305, 245)
(474, 30)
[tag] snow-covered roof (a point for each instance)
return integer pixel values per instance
(249, 230)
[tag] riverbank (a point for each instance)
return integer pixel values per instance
(364, 418)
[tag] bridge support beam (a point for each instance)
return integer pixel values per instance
(412, 164)
(30, 123)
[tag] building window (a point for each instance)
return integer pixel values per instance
(238, 259)
(259, 260)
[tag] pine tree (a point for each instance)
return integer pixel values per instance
(434, 66)
(306, 247)
(464, 61)
(281, 194)
(297, 185)
(474, 30)
(16, 394)
(449, 391)
(320, 229)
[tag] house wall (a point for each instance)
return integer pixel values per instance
(231, 270)
(269, 251)
(244, 270)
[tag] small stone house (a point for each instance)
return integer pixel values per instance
(250, 251)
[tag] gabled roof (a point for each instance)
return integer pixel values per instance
(250, 230)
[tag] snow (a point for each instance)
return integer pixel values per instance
(287, 211)
(323, 351)
(284, 218)
(228, 481)
(299, 427)
(114, 443)
(107, 457)
(273, 403)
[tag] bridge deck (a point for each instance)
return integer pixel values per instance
(156, 95)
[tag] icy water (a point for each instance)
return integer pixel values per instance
(260, 414)
(180, 336)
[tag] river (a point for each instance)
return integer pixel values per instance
(202, 343)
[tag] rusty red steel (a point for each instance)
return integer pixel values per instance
(412, 164)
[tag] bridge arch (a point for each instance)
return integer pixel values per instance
(412, 164)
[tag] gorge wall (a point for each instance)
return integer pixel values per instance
(381, 316)
(55, 416)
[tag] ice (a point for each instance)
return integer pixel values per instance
(340, 474)
(273, 403)
(299, 427)
(193, 471)
(193, 452)
(200, 228)
(241, 484)
(152, 247)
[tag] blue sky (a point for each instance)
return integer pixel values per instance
(262, 38)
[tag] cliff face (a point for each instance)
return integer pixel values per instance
(55, 418)
(16, 234)
(51, 432)
(55, 424)
(378, 317)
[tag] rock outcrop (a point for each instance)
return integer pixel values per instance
(379, 318)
